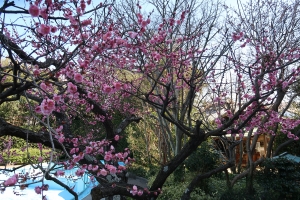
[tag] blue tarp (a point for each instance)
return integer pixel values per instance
(81, 185)
(289, 157)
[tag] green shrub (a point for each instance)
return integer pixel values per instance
(292, 148)
(173, 190)
(138, 170)
(279, 179)
(203, 159)
(17, 156)
(239, 194)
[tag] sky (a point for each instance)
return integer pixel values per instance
(17, 19)
(23, 3)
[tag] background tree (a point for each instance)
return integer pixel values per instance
(184, 39)
(268, 66)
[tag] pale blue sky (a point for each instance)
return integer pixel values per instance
(17, 19)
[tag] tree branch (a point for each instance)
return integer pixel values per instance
(122, 189)
(188, 148)
(48, 177)
(5, 41)
(243, 174)
(193, 184)
(33, 137)
(122, 126)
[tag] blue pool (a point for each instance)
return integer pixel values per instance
(81, 185)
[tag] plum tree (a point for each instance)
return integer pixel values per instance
(203, 71)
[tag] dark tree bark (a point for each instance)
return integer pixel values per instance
(33, 137)
(193, 143)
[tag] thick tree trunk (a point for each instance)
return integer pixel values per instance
(250, 151)
(178, 147)
(168, 169)
(249, 179)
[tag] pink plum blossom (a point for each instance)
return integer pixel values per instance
(53, 29)
(36, 72)
(80, 172)
(11, 181)
(95, 168)
(56, 98)
(61, 139)
(237, 36)
(59, 173)
(140, 193)
(34, 11)
(134, 190)
(43, 13)
(112, 169)
(47, 106)
(48, 2)
(38, 190)
(117, 86)
(92, 95)
(43, 86)
(75, 141)
(44, 29)
(102, 172)
(107, 156)
(78, 78)
(107, 89)
(86, 22)
(88, 150)
(38, 110)
(72, 88)
(121, 168)
(74, 150)
(132, 34)
(117, 137)
(144, 23)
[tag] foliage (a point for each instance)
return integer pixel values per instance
(143, 171)
(279, 179)
(211, 188)
(216, 186)
(203, 159)
(143, 142)
(23, 156)
(239, 195)
(173, 190)
(293, 148)
(16, 112)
